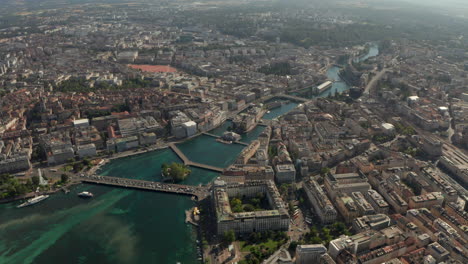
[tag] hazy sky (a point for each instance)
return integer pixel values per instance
(455, 3)
(456, 7)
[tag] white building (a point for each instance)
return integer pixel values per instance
(190, 128)
(388, 129)
(79, 123)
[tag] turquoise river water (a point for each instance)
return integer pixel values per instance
(121, 225)
(117, 225)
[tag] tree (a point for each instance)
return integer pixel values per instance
(229, 237)
(324, 171)
(35, 180)
(249, 208)
(177, 171)
(64, 178)
(236, 205)
(87, 162)
(293, 245)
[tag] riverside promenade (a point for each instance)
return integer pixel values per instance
(200, 192)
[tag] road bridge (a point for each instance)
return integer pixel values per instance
(293, 98)
(216, 136)
(200, 192)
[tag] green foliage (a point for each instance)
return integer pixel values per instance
(258, 203)
(411, 151)
(176, 171)
(229, 237)
(404, 130)
(379, 139)
(11, 186)
(272, 151)
(64, 178)
(324, 171)
(73, 85)
(293, 245)
(38, 153)
(82, 85)
(93, 113)
(262, 244)
(302, 34)
(35, 180)
(284, 189)
(121, 108)
(324, 235)
(279, 68)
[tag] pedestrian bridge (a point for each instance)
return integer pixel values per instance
(188, 162)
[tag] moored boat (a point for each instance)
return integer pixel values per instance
(33, 201)
(85, 195)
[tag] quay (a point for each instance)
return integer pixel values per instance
(200, 192)
(188, 217)
(188, 162)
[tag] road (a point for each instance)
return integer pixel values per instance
(375, 79)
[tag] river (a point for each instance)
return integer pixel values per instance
(118, 225)
(122, 225)
(339, 85)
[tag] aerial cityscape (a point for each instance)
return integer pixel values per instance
(221, 131)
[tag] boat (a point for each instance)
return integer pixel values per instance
(85, 195)
(34, 200)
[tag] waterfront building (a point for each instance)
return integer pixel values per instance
(84, 151)
(251, 172)
(248, 152)
(275, 218)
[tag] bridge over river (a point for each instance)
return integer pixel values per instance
(188, 162)
(200, 192)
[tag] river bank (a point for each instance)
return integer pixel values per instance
(118, 225)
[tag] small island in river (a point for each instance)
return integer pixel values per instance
(175, 172)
